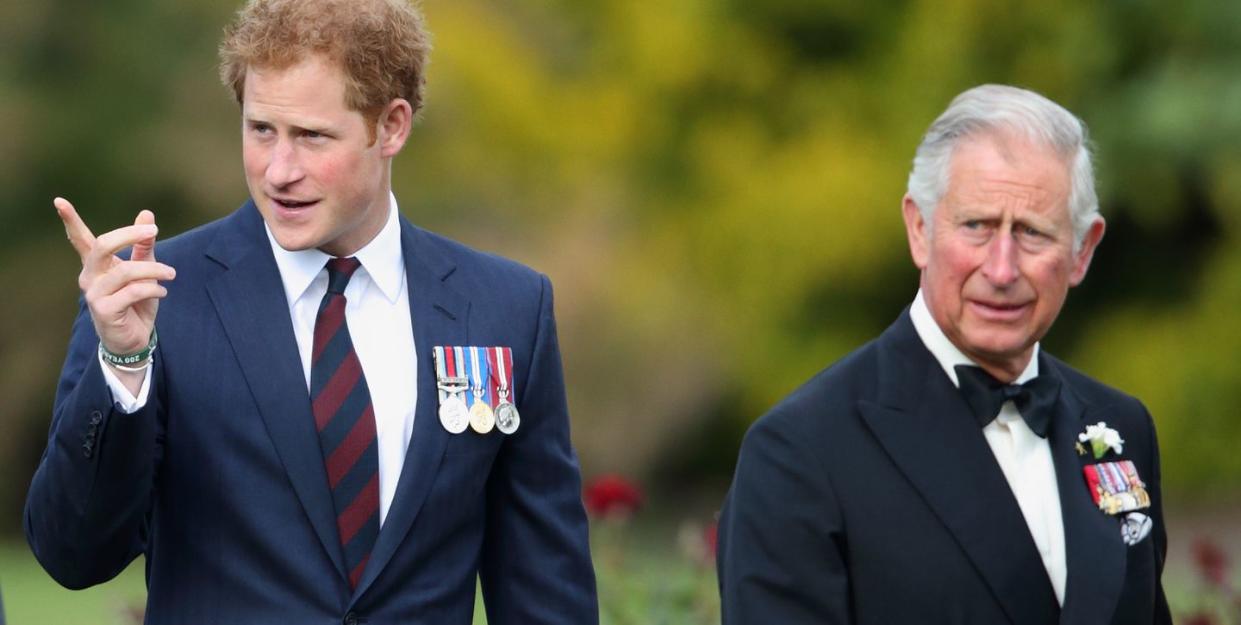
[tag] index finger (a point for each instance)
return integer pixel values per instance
(79, 235)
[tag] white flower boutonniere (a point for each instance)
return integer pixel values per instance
(1101, 439)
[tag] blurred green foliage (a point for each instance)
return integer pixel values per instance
(30, 596)
(713, 186)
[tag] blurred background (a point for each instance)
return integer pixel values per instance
(713, 187)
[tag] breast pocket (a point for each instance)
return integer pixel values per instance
(459, 494)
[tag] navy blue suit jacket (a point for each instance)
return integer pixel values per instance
(219, 479)
(871, 496)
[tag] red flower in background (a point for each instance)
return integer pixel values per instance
(1199, 619)
(1212, 562)
(711, 536)
(611, 496)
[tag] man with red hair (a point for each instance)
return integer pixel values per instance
(278, 440)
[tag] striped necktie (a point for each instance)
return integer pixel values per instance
(345, 419)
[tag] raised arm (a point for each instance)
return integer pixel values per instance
(87, 507)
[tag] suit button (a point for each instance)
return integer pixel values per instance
(96, 417)
(87, 450)
(351, 619)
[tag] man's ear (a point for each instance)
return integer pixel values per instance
(1081, 259)
(916, 231)
(393, 127)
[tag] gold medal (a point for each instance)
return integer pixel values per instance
(482, 419)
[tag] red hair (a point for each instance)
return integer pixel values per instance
(382, 46)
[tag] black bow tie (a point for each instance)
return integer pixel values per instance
(1035, 400)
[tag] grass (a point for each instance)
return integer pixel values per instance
(648, 574)
(641, 582)
(31, 597)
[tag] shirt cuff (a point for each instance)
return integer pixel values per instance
(125, 401)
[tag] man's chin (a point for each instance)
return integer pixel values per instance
(292, 242)
(1006, 349)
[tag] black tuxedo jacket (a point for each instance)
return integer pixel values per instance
(870, 496)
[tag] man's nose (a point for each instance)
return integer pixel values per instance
(1000, 266)
(284, 167)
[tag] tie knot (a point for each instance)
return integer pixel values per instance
(1035, 399)
(339, 270)
(1012, 392)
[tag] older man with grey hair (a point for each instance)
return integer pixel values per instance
(950, 471)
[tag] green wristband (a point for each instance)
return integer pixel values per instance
(126, 360)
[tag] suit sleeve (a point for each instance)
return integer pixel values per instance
(536, 566)
(87, 507)
(781, 555)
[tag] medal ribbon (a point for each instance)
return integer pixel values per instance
(506, 361)
(441, 372)
(458, 359)
(478, 370)
(1128, 474)
(496, 363)
(1118, 476)
(1109, 478)
(501, 361)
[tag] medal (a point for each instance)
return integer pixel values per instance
(1135, 527)
(1116, 487)
(454, 415)
(481, 417)
(507, 417)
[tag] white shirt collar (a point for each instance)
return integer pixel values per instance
(947, 354)
(381, 259)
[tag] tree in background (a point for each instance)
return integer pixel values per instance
(713, 185)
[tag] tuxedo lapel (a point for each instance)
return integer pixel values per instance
(249, 299)
(1095, 553)
(925, 426)
(439, 315)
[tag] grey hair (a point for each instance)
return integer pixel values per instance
(998, 108)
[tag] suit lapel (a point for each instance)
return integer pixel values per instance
(439, 316)
(249, 299)
(1095, 553)
(924, 425)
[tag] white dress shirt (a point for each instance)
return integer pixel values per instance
(1023, 456)
(377, 312)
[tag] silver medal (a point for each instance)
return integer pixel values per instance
(454, 416)
(507, 417)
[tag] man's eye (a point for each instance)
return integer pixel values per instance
(973, 224)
